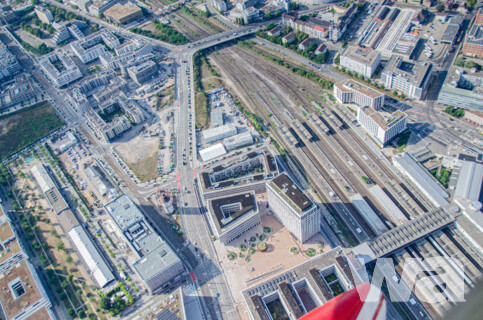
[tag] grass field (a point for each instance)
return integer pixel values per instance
(22, 128)
(146, 168)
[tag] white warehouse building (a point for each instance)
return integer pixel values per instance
(350, 91)
(363, 62)
(218, 133)
(382, 126)
(239, 140)
(293, 208)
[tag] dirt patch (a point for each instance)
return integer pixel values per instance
(141, 155)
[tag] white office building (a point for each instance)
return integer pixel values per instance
(382, 126)
(362, 61)
(410, 78)
(293, 208)
(350, 91)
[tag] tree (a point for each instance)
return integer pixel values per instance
(70, 312)
(337, 59)
(82, 314)
(70, 277)
(105, 303)
(287, 29)
(394, 93)
(60, 246)
(293, 6)
(69, 259)
(403, 96)
(440, 7)
(470, 3)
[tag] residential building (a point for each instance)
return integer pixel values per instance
(124, 53)
(221, 132)
(8, 62)
(289, 38)
(238, 140)
(60, 68)
(66, 30)
(321, 49)
(412, 79)
(91, 47)
(351, 91)
(364, 62)
(475, 117)
(122, 14)
(425, 182)
(473, 46)
(275, 32)
(156, 262)
(44, 14)
(21, 90)
(219, 5)
(125, 65)
(250, 14)
(232, 216)
(244, 4)
(100, 6)
(143, 72)
(381, 125)
(462, 89)
(304, 44)
(293, 208)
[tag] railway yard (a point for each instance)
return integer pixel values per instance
(330, 151)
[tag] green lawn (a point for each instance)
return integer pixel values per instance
(22, 128)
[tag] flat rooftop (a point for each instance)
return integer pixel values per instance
(470, 180)
(228, 210)
(9, 245)
(169, 308)
(156, 261)
(365, 56)
(352, 85)
(124, 212)
(403, 235)
(385, 120)
(119, 11)
(291, 193)
(49, 188)
(416, 73)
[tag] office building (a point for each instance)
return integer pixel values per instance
(293, 208)
(143, 72)
(462, 89)
(473, 46)
(156, 263)
(412, 79)
(231, 216)
(218, 133)
(60, 68)
(20, 91)
(101, 6)
(382, 126)
(8, 62)
(49, 188)
(91, 47)
(238, 140)
(122, 14)
(422, 179)
(364, 62)
(351, 91)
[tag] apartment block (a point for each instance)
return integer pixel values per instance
(293, 208)
(143, 72)
(381, 125)
(473, 46)
(60, 68)
(410, 78)
(351, 91)
(125, 52)
(91, 47)
(362, 61)
(8, 62)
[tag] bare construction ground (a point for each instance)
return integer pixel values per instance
(140, 154)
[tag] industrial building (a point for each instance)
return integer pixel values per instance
(371, 218)
(412, 79)
(143, 72)
(382, 126)
(233, 215)
(49, 188)
(350, 91)
(462, 89)
(221, 132)
(90, 256)
(473, 46)
(364, 62)
(8, 62)
(212, 152)
(216, 118)
(425, 182)
(157, 263)
(293, 208)
(238, 140)
(470, 180)
(122, 14)
(59, 67)
(97, 177)
(299, 290)
(91, 47)
(23, 296)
